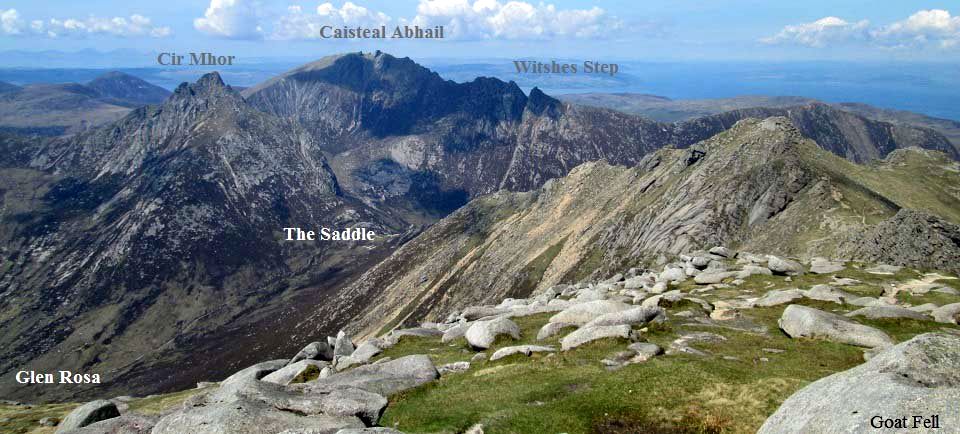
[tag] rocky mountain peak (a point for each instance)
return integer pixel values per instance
(207, 84)
(540, 103)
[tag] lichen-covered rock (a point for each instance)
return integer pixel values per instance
(801, 321)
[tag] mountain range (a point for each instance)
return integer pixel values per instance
(143, 248)
(68, 108)
(671, 110)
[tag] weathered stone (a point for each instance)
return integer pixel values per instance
(636, 282)
(784, 266)
(926, 307)
(917, 377)
(586, 295)
(658, 288)
(368, 430)
(248, 417)
(863, 301)
(481, 334)
(644, 351)
(681, 345)
(583, 313)
(455, 332)
(284, 375)
(878, 312)
(454, 367)
(552, 328)
(707, 277)
(520, 349)
(343, 346)
(947, 290)
(588, 334)
(828, 293)
(88, 413)
(723, 251)
(825, 266)
(124, 424)
(675, 275)
(362, 355)
(884, 269)
(724, 311)
(419, 332)
(347, 402)
(314, 351)
(700, 262)
(949, 313)
(778, 297)
(381, 378)
(802, 321)
(616, 278)
(750, 270)
(476, 312)
(634, 316)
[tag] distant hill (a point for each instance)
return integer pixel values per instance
(128, 89)
(68, 108)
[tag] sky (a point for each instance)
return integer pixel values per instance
(665, 30)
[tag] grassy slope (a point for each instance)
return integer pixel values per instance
(572, 392)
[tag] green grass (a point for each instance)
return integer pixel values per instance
(26, 418)
(936, 298)
(572, 392)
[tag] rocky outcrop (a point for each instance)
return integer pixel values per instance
(916, 378)
(911, 239)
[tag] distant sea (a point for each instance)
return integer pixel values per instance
(927, 88)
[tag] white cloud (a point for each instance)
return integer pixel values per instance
(133, 26)
(490, 19)
(297, 24)
(933, 27)
(238, 19)
(462, 19)
(10, 22)
(820, 32)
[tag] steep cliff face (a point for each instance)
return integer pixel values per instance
(760, 186)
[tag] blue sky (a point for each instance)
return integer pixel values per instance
(644, 29)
